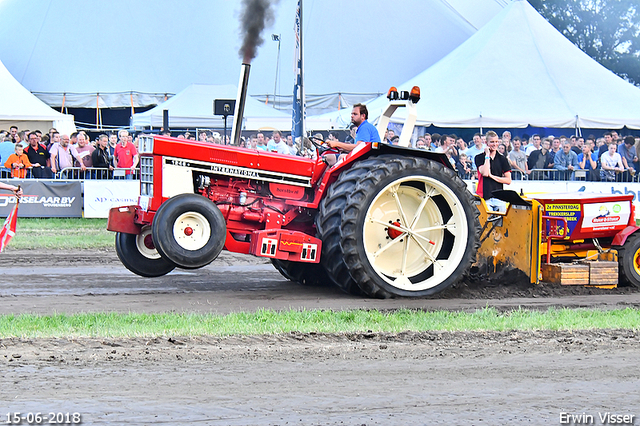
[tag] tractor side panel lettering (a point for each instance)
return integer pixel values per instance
(239, 172)
(570, 211)
(286, 191)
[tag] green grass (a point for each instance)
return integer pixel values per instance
(61, 233)
(271, 322)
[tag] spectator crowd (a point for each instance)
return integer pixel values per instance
(25, 153)
(609, 158)
(30, 154)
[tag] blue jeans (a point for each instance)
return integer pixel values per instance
(496, 205)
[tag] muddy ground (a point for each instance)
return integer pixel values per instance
(349, 379)
(75, 281)
(364, 379)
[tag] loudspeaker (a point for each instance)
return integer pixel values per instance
(224, 106)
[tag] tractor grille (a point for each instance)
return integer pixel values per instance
(145, 144)
(146, 176)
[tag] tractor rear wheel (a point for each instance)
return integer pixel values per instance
(409, 228)
(329, 225)
(629, 261)
(308, 274)
(139, 255)
(189, 230)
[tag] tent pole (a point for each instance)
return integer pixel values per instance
(97, 109)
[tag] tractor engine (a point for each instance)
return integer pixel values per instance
(253, 215)
(251, 205)
(239, 200)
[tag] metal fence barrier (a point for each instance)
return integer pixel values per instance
(72, 173)
(562, 175)
(576, 175)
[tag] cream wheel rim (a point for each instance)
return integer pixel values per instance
(191, 231)
(144, 244)
(405, 229)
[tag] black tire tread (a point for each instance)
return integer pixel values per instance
(626, 271)
(134, 261)
(329, 224)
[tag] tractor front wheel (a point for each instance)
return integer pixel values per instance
(189, 230)
(629, 261)
(139, 255)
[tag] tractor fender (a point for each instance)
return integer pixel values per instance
(621, 237)
(362, 152)
(368, 149)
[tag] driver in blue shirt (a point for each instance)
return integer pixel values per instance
(366, 132)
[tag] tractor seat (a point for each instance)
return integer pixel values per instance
(511, 197)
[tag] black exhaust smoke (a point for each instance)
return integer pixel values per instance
(256, 16)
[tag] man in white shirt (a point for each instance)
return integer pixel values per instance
(84, 149)
(276, 144)
(63, 155)
(292, 148)
(474, 150)
(534, 146)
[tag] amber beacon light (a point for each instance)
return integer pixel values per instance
(392, 94)
(414, 95)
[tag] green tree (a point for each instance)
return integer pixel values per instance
(606, 30)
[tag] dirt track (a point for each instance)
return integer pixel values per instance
(407, 378)
(95, 281)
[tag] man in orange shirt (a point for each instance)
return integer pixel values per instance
(18, 163)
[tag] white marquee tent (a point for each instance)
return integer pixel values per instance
(516, 71)
(127, 53)
(18, 107)
(193, 108)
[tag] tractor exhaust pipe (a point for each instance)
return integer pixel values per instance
(238, 114)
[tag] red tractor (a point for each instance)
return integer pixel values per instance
(383, 221)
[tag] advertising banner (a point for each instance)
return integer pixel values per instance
(533, 187)
(101, 195)
(602, 216)
(569, 211)
(44, 198)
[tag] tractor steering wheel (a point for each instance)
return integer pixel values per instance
(321, 147)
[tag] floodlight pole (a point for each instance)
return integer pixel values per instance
(276, 37)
